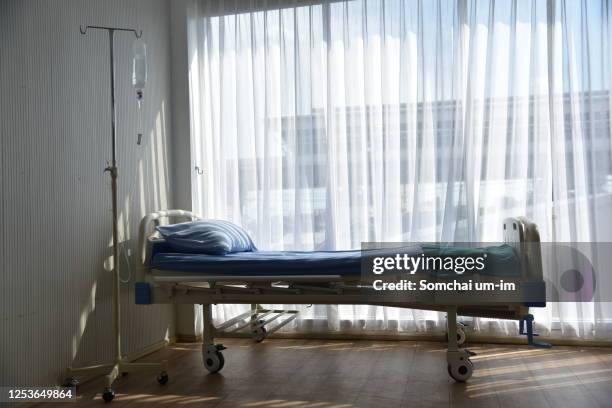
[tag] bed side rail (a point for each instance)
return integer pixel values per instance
(147, 225)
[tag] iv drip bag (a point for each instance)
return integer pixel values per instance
(139, 79)
(139, 72)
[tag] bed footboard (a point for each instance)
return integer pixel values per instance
(524, 236)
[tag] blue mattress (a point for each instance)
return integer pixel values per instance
(263, 263)
(501, 261)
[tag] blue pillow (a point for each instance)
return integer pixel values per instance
(212, 237)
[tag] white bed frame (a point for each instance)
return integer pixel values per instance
(154, 286)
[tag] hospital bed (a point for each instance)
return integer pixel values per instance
(268, 278)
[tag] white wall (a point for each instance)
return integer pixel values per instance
(55, 199)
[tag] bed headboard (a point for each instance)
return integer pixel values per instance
(523, 235)
(147, 225)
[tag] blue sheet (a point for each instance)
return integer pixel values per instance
(501, 261)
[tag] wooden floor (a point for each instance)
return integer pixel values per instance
(325, 374)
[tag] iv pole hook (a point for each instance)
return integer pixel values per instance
(137, 33)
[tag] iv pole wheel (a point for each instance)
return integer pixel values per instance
(71, 382)
(162, 378)
(108, 395)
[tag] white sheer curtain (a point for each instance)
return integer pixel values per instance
(322, 125)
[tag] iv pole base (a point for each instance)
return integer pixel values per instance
(113, 370)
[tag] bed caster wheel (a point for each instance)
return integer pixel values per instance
(162, 378)
(71, 382)
(259, 334)
(108, 395)
(214, 361)
(461, 372)
(460, 334)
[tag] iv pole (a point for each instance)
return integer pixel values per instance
(120, 365)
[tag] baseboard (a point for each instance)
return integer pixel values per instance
(150, 349)
(473, 338)
(188, 338)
